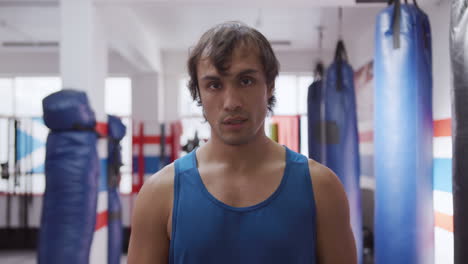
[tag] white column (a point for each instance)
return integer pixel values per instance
(83, 51)
(147, 110)
(145, 97)
(83, 66)
(162, 99)
(171, 97)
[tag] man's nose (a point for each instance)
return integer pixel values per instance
(232, 98)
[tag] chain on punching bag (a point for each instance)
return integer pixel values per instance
(459, 57)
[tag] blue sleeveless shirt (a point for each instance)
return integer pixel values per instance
(281, 229)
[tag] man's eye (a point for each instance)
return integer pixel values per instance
(246, 81)
(214, 85)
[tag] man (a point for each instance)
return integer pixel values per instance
(240, 198)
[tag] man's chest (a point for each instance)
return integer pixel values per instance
(242, 189)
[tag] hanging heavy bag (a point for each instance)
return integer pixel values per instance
(72, 169)
(341, 135)
(404, 227)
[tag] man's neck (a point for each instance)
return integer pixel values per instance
(242, 156)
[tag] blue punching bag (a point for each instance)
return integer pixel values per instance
(71, 168)
(404, 225)
(314, 115)
(116, 133)
(341, 135)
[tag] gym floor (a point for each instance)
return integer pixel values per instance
(26, 257)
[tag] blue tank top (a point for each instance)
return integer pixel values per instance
(281, 229)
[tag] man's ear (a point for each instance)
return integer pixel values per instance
(198, 100)
(270, 90)
(204, 115)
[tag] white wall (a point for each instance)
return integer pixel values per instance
(47, 63)
(301, 61)
(359, 36)
(439, 16)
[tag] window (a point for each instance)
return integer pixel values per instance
(187, 106)
(29, 92)
(286, 95)
(291, 93)
(6, 95)
(118, 96)
(22, 107)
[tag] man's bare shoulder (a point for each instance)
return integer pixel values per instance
(161, 182)
(157, 193)
(333, 223)
(321, 174)
(149, 241)
(328, 189)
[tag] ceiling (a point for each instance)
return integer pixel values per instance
(25, 23)
(180, 27)
(177, 24)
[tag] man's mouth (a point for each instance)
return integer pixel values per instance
(234, 121)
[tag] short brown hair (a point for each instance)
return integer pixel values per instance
(219, 42)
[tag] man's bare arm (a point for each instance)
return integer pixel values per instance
(335, 240)
(149, 241)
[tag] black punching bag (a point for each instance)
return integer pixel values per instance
(459, 56)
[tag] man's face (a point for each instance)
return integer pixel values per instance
(235, 102)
